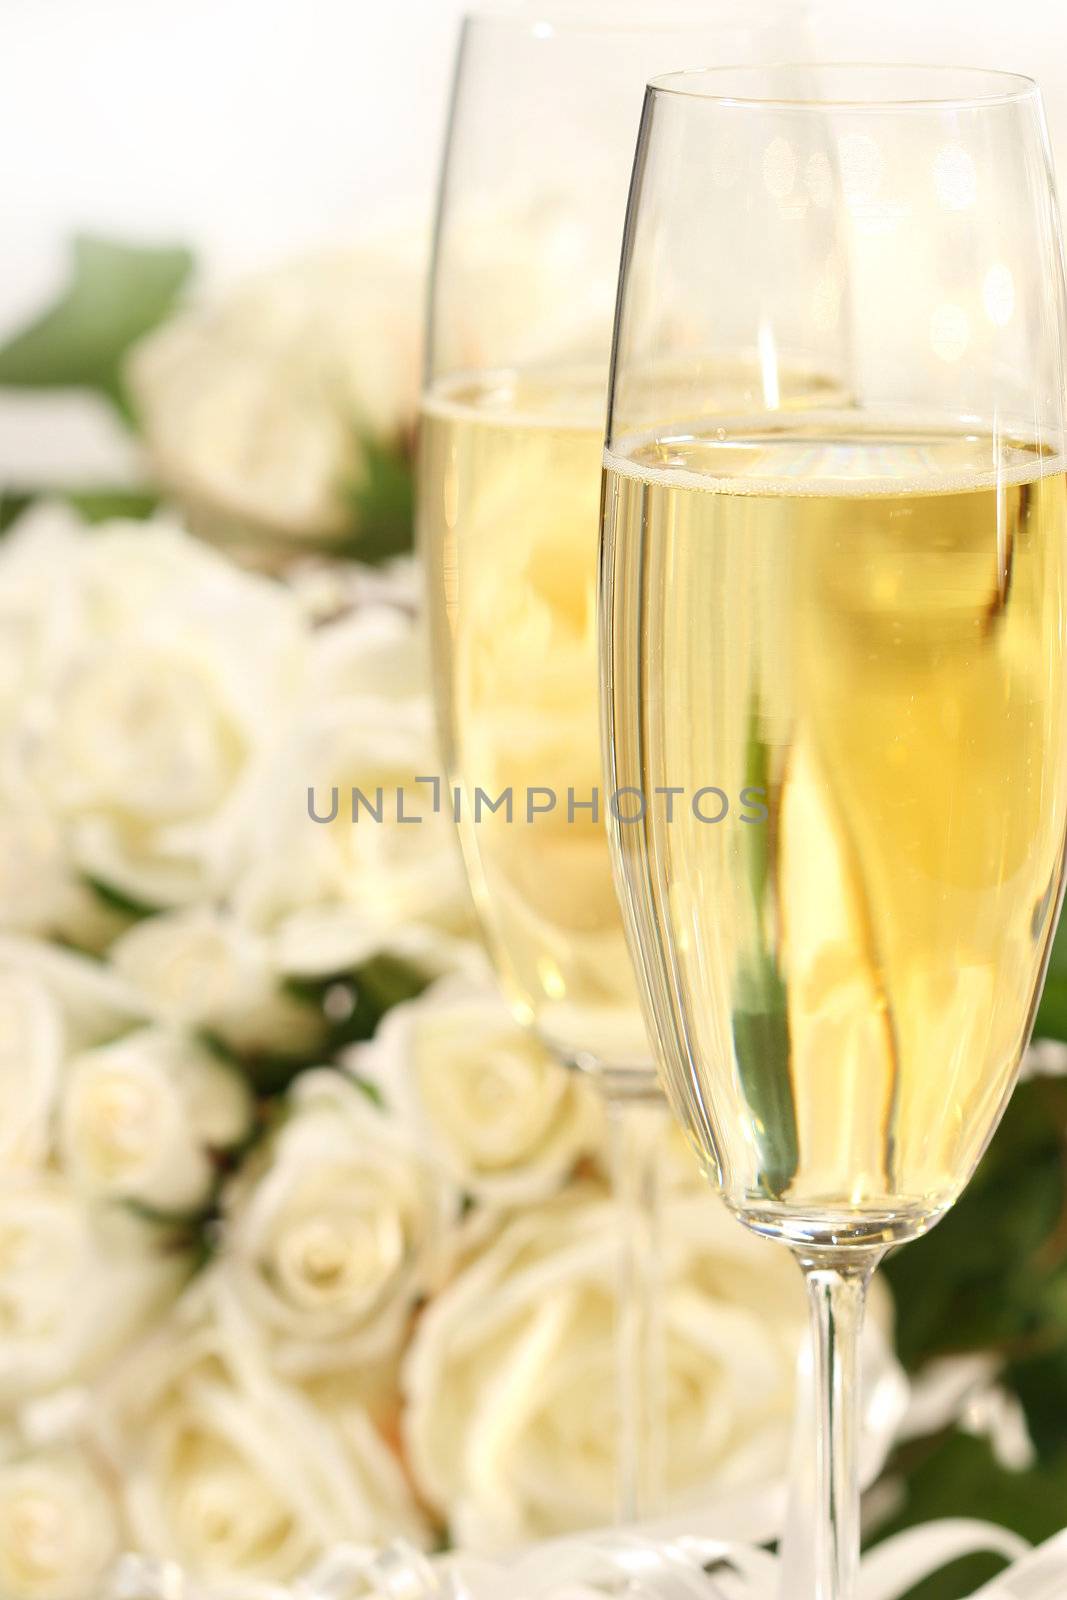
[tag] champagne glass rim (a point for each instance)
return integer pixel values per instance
(555, 17)
(849, 86)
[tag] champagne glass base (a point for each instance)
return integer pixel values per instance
(825, 1231)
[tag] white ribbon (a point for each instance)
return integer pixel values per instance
(895, 1567)
(619, 1563)
(1041, 1575)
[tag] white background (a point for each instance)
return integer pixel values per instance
(256, 127)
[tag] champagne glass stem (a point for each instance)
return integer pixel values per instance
(837, 1283)
(637, 1123)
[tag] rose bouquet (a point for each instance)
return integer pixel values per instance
(303, 1239)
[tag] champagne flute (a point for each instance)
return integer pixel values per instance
(531, 208)
(833, 653)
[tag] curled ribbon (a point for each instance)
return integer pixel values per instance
(624, 1562)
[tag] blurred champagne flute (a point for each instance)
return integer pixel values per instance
(529, 229)
(858, 608)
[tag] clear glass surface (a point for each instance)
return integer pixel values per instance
(833, 604)
(532, 201)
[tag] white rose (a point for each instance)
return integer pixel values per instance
(50, 1001)
(94, 1002)
(505, 1116)
(31, 1053)
(41, 890)
(330, 895)
(60, 1527)
(258, 411)
(37, 558)
(155, 707)
(510, 1418)
(378, 650)
(201, 968)
(141, 1118)
(75, 1285)
(329, 1247)
(235, 1473)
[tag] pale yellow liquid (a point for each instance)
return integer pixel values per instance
(857, 620)
(509, 522)
(509, 503)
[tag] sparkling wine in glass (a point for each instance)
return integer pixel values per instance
(834, 636)
(532, 203)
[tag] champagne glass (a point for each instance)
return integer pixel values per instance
(833, 653)
(531, 209)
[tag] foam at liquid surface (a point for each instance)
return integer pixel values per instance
(844, 453)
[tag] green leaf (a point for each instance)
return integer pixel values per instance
(1057, 965)
(761, 1045)
(118, 900)
(116, 293)
(180, 1223)
(92, 505)
(992, 1274)
(371, 991)
(1040, 1382)
(366, 1087)
(387, 981)
(761, 1018)
(101, 505)
(12, 506)
(382, 503)
(1051, 1022)
(758, 838)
